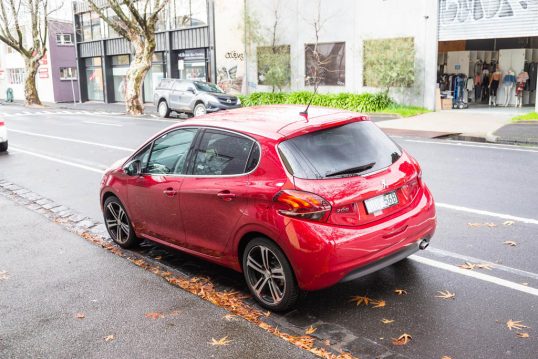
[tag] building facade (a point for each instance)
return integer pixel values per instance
(56, 80)
(185, 49)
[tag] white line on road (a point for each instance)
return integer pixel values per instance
(487, 213)
(491, 146)
(443, 253)
(73, 140)
(54, 159)
(104, 124)
(476, 275)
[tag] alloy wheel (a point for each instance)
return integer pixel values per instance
(200, 110)
(265, 275)
(117, 222)
(163, 109)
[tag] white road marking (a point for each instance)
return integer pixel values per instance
(54, 159)
(73, 140)
(476, 275)
(443, 253)
(487, 213)
(491, 146)
(104, 124)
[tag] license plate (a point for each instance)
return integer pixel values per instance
(379, 203)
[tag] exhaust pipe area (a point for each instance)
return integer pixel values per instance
(424, 244)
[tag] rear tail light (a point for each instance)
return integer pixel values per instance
(1, 123)
(304, 205)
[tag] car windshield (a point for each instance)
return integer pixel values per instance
(207, 87)
(354, 149)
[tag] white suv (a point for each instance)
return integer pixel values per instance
(3, 136)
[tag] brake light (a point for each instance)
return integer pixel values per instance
(304, 205)
(1, 123)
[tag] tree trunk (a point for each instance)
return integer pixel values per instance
(134, 99)
(30, 90)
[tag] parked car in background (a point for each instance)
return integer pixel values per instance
(3, 136)
(294, 203)
(193, 97)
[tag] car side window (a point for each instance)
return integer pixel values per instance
(141, 156)
(170, 151)
(221, 154)
(180, 86)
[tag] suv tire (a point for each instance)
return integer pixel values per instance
(199, 110)
(164, 110)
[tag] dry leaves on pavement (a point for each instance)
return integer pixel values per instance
(220, 342)
(387, 321)
(154, 315)
(510, 243)
(523, 335)
(231, 317)
(378, 303)
(400, 291)
(487, 224)
(446, 357)
(80, 315)
(362, 299)
(508, 223)
(402, 339)
(4, 275)
(109, 338)
(445, 294)
(515, 324)
(472, 266)
(310, 330)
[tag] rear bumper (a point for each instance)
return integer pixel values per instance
(323, 255)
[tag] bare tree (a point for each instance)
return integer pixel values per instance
(16, 18)
(136, 21)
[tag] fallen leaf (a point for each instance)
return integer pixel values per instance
(517, 324)
(387, 321)
(359, 299)
(310, 330)
(80, 316)
(402, 339)
(267, 314)
(221, 341)
(4, 275)
(109, 338)
(159, 258)
(484, 266)
(378, 303)
(327, 342)
(487, 224)
(474, 224)
(467, 265)
(523, 335)
(445, 294)
(446, 357)
(230, 317)
(400, 291)
(510, 243)
(508, 223)
(491, 225)
(154, 315)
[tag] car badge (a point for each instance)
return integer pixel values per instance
(229, 101)
(384, 184)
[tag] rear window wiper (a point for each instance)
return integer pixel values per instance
(352, 170)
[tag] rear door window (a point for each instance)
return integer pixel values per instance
(353, 149)
(224, 153)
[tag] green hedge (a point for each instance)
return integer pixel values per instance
(365, 102)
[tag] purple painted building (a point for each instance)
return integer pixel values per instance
(63, 64)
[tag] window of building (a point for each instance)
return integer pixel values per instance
(188, 13)
(154, 75)
(325, 64)
(120, 66)
(15, 76)
(389, 62)
(68, 73)
(90, 26)
(94, 79)
(274, 65)
(64, 39)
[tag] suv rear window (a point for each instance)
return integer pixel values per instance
(353, 149)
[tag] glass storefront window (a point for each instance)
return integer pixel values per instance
(188, 13)
(154, 75)
(94, 79)
(120, 66)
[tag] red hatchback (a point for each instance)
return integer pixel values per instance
(294, 202)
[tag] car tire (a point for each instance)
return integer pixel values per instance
(163, 109)
(122, 233)
(3, 146)
(199, 110)
(271, 280)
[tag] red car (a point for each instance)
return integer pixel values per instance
(295, 202)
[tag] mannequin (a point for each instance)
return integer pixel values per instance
(509, 81)
(522, 79)
(494, 85)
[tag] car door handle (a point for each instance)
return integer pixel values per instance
(170, 192)
(226, 195)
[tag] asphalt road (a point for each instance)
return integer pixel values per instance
(61, 155)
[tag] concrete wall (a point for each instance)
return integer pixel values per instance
(348, 21)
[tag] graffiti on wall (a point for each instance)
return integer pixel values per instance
(464, 11)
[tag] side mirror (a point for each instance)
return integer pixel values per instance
(133, 168)
(191, 90)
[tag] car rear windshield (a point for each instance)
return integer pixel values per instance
(353, 149)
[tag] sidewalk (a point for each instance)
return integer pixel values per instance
(62, 297)
(482, 125)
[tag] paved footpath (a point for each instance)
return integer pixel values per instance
(48, 276)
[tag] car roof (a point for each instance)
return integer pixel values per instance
(276, 121)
